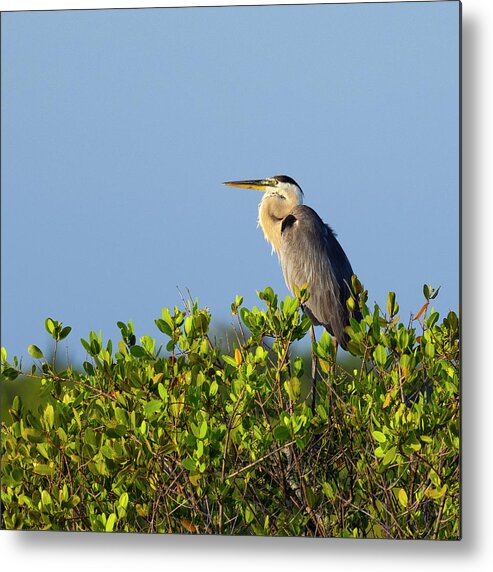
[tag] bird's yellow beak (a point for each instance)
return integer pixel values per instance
(259, 185)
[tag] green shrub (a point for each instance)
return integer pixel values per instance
(177, 435)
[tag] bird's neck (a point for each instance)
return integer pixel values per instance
(272, 210)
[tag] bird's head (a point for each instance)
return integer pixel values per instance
(281, 195)
(280, 186)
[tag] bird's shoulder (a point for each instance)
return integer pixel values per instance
(306, 235)
(308, 219)
(304, 212)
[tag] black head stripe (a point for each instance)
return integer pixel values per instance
(286, 179)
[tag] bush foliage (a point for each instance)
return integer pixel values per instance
(177, 435)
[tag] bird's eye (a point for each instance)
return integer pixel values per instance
(274, 182)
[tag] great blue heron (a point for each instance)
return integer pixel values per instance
(309, 253)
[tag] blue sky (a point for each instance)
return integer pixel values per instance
(118, 127)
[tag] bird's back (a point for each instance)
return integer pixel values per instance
(310, 253)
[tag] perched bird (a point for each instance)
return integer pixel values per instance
(308, 252)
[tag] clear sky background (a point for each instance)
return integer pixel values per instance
(118, 128)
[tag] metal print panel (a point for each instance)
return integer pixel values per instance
(167, 367)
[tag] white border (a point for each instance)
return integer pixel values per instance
(90, 4)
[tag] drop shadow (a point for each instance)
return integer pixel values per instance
(470, 308)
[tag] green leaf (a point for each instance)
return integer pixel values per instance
(379, 436)
(434, 478)
(292, 387)
(436, 493)
(163, 392)
(95, 346)
(9, 373)
(33, 435)
(123, 502)
(379, 452)
(64, 333)
(248, 515)
(426, 291)
(45, 498)
(328, 491)
(402, 496)
(73, 501)
(44, 470)
(138, 351)
(49, 415)
(389, 456)
(114, 430)
(43, 449)
(88, 368)
(230, 361)
(164, 327)
(143, 428)
(392, 307)
(411, 444)
(310, 497)
(86, 345)
(122, 348)
(202, 430)
(148, 343)
(50, 325)
(110, 522)
(380, 355)
(61, 434)
(107, 451)
(351, 304)
(430, 349)
(189, 464)
(435, 293)
(35, 352)
(200, 450)
(403, 338)
(152, 407)
(451, 318)
(281, 433)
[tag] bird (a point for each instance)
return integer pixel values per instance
(309, 253)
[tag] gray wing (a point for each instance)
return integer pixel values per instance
(311, 253)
